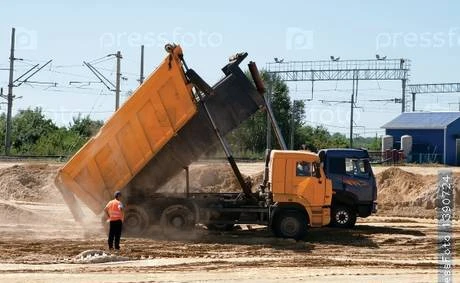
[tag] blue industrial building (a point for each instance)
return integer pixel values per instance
(435, 135)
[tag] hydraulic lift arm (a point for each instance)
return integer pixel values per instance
(261, 89)
(203, 87)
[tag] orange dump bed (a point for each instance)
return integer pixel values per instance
(155, 112)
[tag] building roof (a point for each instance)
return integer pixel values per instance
(422, 120)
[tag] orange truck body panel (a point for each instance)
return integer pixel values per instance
(311, 192)
(155, 112)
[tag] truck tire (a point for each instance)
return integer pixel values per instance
(175, 219)
(136, 220)
(290, 224)
(343, 217)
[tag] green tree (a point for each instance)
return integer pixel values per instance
(319, 137)
(85, 127)
(34, 134)
(251, 135)
(59, 142)
(371, 143)
(28, 126)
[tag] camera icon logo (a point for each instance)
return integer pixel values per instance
(299, 39)
(26, 39)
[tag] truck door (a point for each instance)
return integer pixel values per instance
(301, 180)
(358, 178)
(352, 176)
(336, 171)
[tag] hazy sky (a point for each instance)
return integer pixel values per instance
(70, 32)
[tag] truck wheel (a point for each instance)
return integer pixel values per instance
(290, 224)
(176, 218)
(136, 220)
(343, 217)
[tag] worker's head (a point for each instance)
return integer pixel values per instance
(117, 194)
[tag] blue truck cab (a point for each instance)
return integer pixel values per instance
(353, 184)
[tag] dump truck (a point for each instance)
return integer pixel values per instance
(353, 185)
(168, 123)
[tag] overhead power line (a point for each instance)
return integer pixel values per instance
(110, 86)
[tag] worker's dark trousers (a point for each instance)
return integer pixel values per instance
(115, 234)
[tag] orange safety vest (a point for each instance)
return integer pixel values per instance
(114, 208)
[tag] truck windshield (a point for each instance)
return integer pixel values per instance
(357, 167)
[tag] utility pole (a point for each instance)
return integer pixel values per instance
(352, 105)
(352, 102)
(141, 77)
(403, 98)
(108, 84)
(117, 83)
(10, 96)
(291, 137)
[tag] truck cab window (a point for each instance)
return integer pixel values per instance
(303, 169)
(356, 167)
(336, 165)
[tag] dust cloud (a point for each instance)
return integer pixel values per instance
(31, 207)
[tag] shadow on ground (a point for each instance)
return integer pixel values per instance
(360, 236)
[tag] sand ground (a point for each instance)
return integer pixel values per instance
(40, 242)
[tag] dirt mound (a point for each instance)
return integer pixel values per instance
(407, 194)
(31, 182)
(210, 178)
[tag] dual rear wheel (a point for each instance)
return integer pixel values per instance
(177, 218)
(174, 219)
(136, 221)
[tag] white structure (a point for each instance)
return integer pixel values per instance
(406, 146)
(387, 143)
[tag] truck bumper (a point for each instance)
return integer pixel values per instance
(365, 209)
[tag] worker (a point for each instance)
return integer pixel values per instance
(115, 215)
